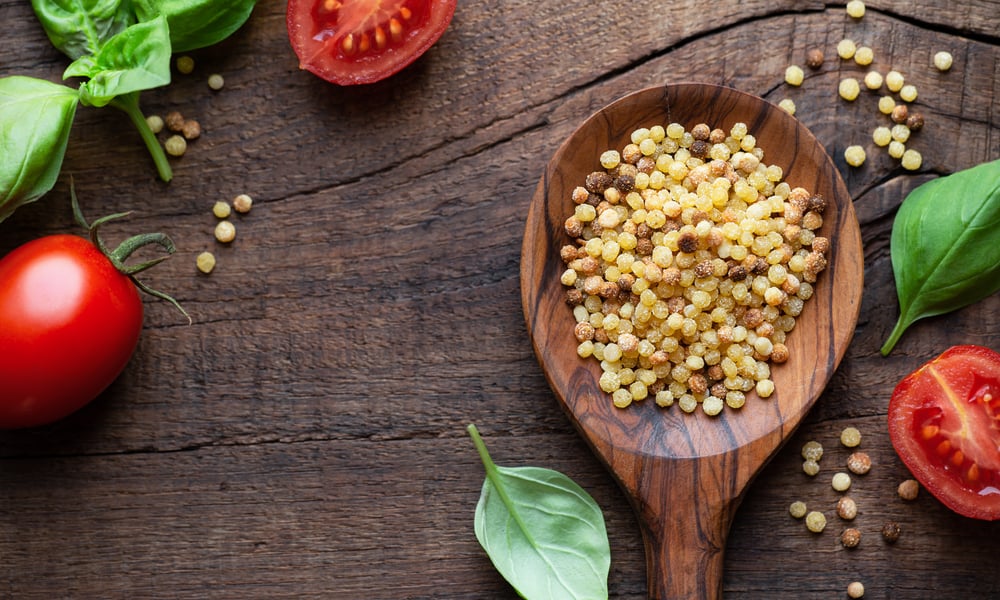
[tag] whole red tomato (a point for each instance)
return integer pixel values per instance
(350, 42)
(944, 421)
(69, 321)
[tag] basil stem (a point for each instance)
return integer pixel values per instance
(542, 531)
(945, 245)
(129, 104)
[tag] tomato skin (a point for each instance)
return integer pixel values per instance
(384, 36)
(944, 422)
(69, 322)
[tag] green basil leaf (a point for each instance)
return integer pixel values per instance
(542, 531)
(945, 245)
(80, 27)
(196, 23)
(35, 121)
(136, 59)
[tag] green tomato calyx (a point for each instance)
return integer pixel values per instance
(120, 255)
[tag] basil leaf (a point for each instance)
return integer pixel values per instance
(136, 59)
(35, 121)
(542, 531)
(80, 27)
(945, 245)
(196, 23)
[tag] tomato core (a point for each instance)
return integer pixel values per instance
(357, 31)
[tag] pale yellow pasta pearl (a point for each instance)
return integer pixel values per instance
(911, 160)
(855, 156)
(894, 81)
(794, 75)
(873, 80)
(943, 60)
(886, 104)
(864, 56)
(849, 88)
(882, 136)
(846, 49)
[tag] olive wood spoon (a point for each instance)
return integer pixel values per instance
(685, 474)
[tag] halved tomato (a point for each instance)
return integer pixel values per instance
(349, 42)
(944, 421)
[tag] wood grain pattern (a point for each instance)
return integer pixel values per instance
(305, 438)
(664, 457)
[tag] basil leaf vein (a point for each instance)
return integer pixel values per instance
(80, 27)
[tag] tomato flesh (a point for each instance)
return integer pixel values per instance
(69, 322)
(944, 421)
(362, 41)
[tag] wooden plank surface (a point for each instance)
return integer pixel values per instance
(306, 436)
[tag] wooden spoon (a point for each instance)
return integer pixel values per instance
(685, 474)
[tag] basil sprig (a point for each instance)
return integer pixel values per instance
(945, 245)
(542, 531)
(136, 59)
(120, 48)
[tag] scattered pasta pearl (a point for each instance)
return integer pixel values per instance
(155, 123)
(850, 437)
(185, 64)
(794, 75)
(841, 481)
(221, 209)
(854, 155)
(812, 450)
(225, 232)
(855, 589)
(942, 60)
(896, 149)
(911, 160)
(846, 49)
(894, 81)
(242, 203)
(216, 82)
(908, 93)
(882, 136)
(864, 56)
(175, 145)
(886, 104)
(205, 262)
(787, 105)
(873, 80)
(816, 521)
(849, 88)
(856, 9)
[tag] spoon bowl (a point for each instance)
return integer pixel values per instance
(685, 474)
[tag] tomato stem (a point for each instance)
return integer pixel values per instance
(125, 249)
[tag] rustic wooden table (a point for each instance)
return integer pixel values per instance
(305, 437)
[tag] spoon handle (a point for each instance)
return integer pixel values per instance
(685, 508)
